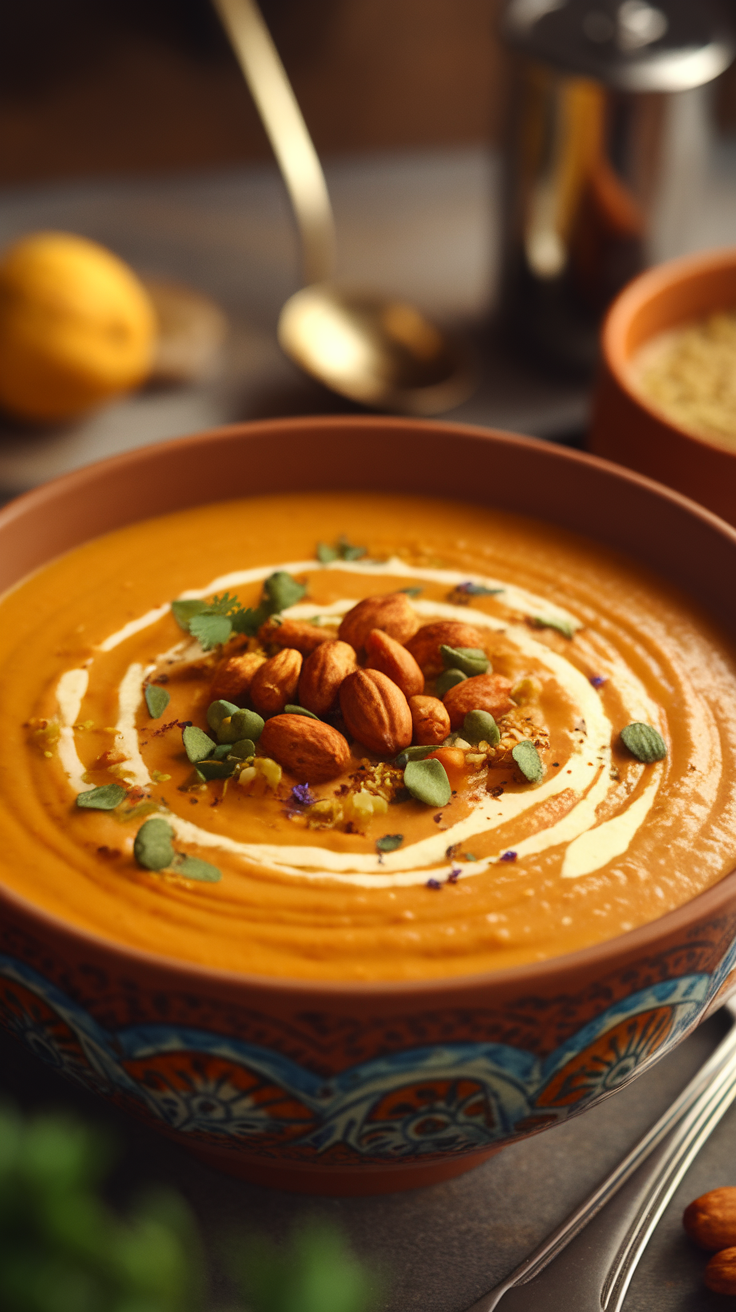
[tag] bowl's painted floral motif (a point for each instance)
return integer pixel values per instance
(399, 1090)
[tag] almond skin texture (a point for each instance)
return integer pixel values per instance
(323, 673)
(711, 1219)
(301, 636)
(430, 719)
(391, 613)
(426, 643)
(720, 1273)
(312, 751)
(387, 655)
(376, 712)
(484, 692)
(234, 676)
(275, 682)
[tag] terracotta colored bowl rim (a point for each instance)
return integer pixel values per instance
(599, 954)
(627, 304)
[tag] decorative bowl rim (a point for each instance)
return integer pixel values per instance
(637, 293)
(603, 954)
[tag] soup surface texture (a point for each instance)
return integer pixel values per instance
(308, 852)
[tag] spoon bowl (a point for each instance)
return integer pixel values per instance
(381, 353)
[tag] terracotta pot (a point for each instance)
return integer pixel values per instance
(360, 1088)
(626, 427)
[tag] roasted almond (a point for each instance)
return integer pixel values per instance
(720, 1273)
(275, 682)
(391, 612)
(711, 1219)
(312, 751)
(387, 655)
(430, 719)
(234, 676)
(298, 634)
(376, 712)
(485, 692)
(322, 674)
(426, 643)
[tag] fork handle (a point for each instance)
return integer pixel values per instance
(588, 1262)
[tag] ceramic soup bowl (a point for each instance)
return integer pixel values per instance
(365, 1087)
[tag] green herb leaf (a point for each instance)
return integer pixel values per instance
(241, 724)
(412, 592)
(479, 590)
(249, 621)
(282, 590)
(414, 754)
(184, 610)
(152, 847)
(213, 769)
(325, 554)
(447, 680)
(221, 751)
(190, 867)
(470, 660)
(227, 604)
(644, 742)
(300, 710)
(348, 551)
(197, 744)
(157, 699)
(389, 842)
(479, 727)
(529, 761)
(210, 630)
(219, 711)
(427, 781)
(551, 622)
(242, 749)
(105, 798)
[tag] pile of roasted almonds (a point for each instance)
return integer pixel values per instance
(710, 1221)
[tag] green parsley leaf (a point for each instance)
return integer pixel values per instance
(157, 699)
(184, 610)
(105, 798)
(325, 554)
(210, 630)
(282, 591)
(249, 621)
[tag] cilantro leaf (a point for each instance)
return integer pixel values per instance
(210, 629)
(184, 610)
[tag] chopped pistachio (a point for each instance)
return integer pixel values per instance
(240, 724)
(448, 679)
(197, 744)
(153, 848)
(644, 742)
(529, 761)
(218, 711)
(470, 660)
(480, 726)
(105, 798)
(427, 781)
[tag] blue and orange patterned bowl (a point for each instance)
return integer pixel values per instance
(365, 1088)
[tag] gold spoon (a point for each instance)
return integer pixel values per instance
(382, 353)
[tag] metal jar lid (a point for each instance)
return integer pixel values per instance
(632, 45)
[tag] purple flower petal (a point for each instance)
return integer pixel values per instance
(302, 794)
(508, 856)
(434, 883)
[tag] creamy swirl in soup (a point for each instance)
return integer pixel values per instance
(320, 850)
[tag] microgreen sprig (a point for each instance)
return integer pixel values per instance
(214, 622)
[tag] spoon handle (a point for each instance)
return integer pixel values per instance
(287, 132)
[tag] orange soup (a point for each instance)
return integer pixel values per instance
(375, 738)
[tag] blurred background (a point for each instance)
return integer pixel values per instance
(130, 123)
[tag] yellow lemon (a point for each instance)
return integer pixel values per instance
(77, 327)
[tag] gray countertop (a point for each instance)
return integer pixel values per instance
(425, 226)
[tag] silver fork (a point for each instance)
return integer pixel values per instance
(587, 1263)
